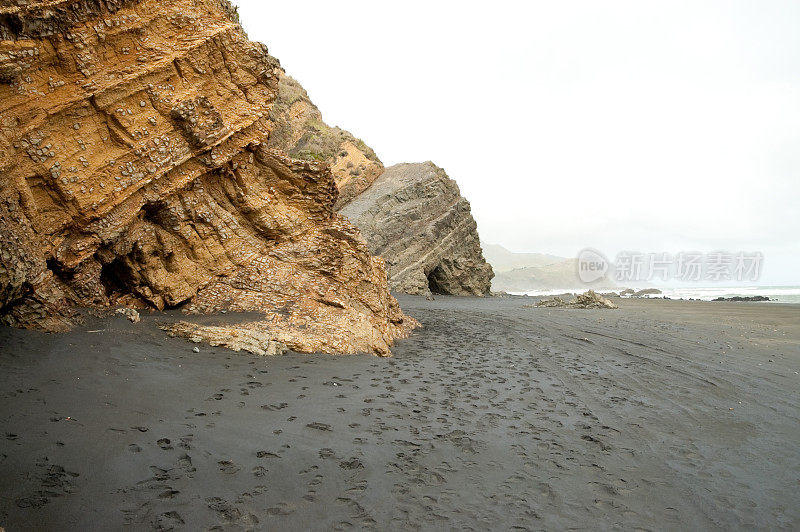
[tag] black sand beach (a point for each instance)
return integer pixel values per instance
(661, 415)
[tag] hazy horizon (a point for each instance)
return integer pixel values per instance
(619, 126)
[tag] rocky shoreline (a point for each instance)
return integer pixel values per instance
(757, 299)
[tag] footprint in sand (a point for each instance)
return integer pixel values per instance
(230, 512)
(273, 408)
(353, 463)
(228, 467)
(266, 454)
(326, 453)
(54, 481)
(185, 463)
(168, 521)
(282, 508)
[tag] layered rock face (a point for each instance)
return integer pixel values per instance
(414, 217)
(301, 132)
(427, 240)
(137, 169)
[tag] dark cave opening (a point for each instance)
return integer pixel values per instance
(116, 277)
(433, 284)
(153, 212)
(58, 270)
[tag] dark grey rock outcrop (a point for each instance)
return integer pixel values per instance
(414, 217)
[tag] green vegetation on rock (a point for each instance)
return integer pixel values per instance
(318, 141)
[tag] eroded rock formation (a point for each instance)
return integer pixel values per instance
(137, 169)
(414, 217)
(252, 337)
(587, 300)
(444, 253)
(301, 132)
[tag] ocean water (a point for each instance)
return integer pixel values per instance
(781, 294)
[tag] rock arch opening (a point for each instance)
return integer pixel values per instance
(435, 281)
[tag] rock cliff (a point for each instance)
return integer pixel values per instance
(414, 217)
(137, 168)
(301, 132)
(446, 249)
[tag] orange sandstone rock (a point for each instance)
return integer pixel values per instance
(301, 132)
(136, 170)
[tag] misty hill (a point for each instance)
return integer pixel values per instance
(503, 260)
(520, 272)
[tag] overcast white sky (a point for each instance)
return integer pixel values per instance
(620, 125)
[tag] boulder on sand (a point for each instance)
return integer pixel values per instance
(590, 299)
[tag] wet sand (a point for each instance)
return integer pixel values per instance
(661, 415)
